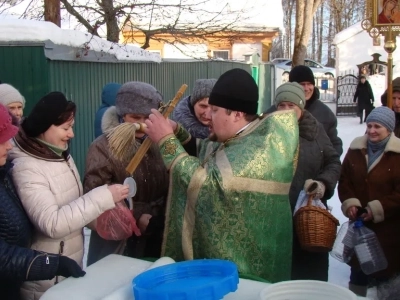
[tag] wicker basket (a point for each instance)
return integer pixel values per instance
(315, 228)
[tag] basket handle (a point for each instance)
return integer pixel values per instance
(310, 199)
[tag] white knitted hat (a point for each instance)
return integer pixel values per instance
(9, 94)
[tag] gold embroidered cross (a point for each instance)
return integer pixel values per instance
(170, 148)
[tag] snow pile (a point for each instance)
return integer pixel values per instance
(41, 31)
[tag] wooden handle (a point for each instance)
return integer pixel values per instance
(137, 158)
(310, 199)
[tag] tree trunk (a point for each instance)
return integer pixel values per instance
(52, 12)
(111, 21)
(314, 30)
(305, 10)
(287, 6)
(321, 33)
(330, 52)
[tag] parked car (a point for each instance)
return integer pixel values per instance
(317, 68)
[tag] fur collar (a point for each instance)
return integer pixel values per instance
(393, 145)
(110, 119)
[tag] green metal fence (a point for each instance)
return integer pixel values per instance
(27, 68)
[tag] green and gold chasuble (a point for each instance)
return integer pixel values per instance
(231, 202)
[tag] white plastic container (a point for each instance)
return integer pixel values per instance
(306, 290)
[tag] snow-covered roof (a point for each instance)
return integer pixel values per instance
(19, 30)
(347, 33)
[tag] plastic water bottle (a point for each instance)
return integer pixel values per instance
(343, 248)
(368, 249)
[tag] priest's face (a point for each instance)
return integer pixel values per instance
(222, 126)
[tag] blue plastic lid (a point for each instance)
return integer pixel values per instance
(196, 279)
(359, 223)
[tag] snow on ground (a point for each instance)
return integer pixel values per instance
(348, 128)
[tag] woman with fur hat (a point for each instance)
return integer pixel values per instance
(318, 162)
(18, 263)
(133, 104)
(49, 186)
(12, 99)
(370, 178)
(192, 111)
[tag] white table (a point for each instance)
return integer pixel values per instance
(111, 279)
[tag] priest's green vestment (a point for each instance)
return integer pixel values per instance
(231, 201)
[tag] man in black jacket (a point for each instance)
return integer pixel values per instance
(305, 77)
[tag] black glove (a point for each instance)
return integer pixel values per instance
(68, 267)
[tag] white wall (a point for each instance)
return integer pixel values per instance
(190, 51)
(355, 46)
(240, 49)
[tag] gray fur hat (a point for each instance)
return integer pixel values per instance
(202, 89)
(137, 97)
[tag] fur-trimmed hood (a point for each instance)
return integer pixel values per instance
(110, 119)
(393, 145)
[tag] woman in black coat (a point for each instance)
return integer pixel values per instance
(365, 98)
(319, 163)
(18, 263)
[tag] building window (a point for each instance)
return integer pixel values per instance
(224, 54)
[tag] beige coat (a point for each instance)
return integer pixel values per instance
(51, 193)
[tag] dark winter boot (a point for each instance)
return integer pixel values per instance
(361, 121)
(359, 290)
(361, 117)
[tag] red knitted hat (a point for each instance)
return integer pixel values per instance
(7, 129)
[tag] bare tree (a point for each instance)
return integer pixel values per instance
(288, 8)
(320, 33)
(343, 14)
(186, 22)
(305, 10)
(178, 18)
(277, 47)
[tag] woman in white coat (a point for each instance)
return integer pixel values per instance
(49, 185)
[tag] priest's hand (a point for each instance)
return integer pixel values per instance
(157, 126)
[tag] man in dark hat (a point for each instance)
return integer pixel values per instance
(305, 77)
(231, 201)
(395, 103)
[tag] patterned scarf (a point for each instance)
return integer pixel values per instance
(375, 150)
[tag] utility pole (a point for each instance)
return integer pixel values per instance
(52, 11)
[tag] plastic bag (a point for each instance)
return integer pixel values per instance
(302, 200)
(117, 224)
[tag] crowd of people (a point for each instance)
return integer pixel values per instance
(220, 180)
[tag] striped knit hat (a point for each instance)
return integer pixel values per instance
(384, 116)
